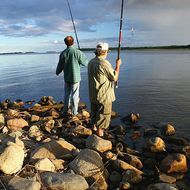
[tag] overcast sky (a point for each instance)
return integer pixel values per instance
(41, 25)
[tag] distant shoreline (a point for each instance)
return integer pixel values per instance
(172, 47)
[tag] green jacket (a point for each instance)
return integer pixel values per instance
(101, 77)
(70, 61)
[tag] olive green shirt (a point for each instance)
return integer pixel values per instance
(101, 78)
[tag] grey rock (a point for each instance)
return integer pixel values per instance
(162, 186)
(64, 181)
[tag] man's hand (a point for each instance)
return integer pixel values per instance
(118, 62)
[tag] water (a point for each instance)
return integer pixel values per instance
(155, 83)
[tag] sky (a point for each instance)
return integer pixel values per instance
(41, 25)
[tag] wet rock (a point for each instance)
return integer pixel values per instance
(81, 130)
(124, 185)
(45, 165)
(156, 144)
(131, 177)
(168, 130)
(18, 183)
(163, 186)
(11, 159)
(118, 129)
(63, 181)
(176, 140)
(110, 155)
(174, 163)
(150, 132)
(54, 149)
(132, 118)
(16, 124)
(122, 166)
(98, 144)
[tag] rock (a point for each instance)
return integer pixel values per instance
(166, 178)
(156, 144)
(98, 144)
(45, 165)
(35, 118)
(2, 119)
(176, 140)
(63, 181)
(85, 114)
(89, 164)
(16, 124)
(110, 155)
(122, 166)
(115, 178)
(162, 186)
(81, 130)
(54, 149)
(150, 132)
(11, 159)
(174, 163)
(114, 114)
(34, 131)
(132, 118)
(18, 183)
(168, 130)
(12, 113)
(58, 163)
(124, 185)
(54, 113)
(131, 177)
(49, 125)
(134, 161)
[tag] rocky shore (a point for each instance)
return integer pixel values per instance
(42, 150)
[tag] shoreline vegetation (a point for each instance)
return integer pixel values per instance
(172, 47)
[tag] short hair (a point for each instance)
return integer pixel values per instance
(69, 40)
(100, 52)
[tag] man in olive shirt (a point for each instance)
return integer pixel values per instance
(102, 78)
(70, 61)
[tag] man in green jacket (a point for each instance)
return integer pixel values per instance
(70, 61)
(102, 78)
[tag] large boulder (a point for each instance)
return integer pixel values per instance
(18, 183)
(64, 181)
(98, 144)
(16, 124)
(174, 163)
(89, 164)
(11, 159)
(53, 149)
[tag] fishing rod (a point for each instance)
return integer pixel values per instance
(120, 35)
(73, 24)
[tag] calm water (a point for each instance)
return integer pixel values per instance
(154, 83)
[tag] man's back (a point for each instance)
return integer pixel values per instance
(101, 77)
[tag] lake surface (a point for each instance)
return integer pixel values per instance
(154, 83)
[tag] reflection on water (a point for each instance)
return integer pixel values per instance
(154, 83)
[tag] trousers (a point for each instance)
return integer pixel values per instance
(101, 115)
(71, 97)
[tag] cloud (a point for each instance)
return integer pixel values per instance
(154, 21)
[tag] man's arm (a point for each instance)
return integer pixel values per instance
(59, 68)
(83, 59)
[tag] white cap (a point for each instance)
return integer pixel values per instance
(102, 46)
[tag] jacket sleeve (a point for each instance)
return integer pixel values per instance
(110, 73)
(60, 65)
